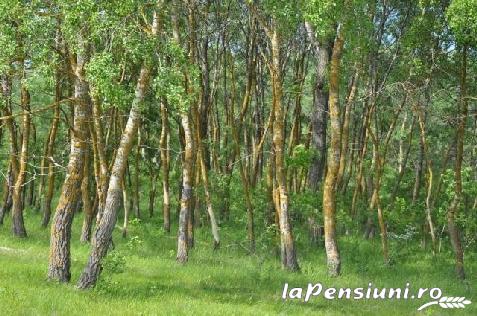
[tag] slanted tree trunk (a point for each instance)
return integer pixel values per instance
(59, 258)
(329, 190)
(104, 230)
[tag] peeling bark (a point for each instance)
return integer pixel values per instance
(59, 258)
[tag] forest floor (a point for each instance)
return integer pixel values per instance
(141, 277)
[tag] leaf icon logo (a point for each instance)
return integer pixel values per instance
(448, 302)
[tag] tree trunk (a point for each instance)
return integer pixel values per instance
(187, 191)
(165, 158)
(103, 233)
(329, 190)
(18, 227)
(319, 113)
(288, 252)
(59, 258)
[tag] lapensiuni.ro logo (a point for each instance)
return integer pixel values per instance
(434, 296)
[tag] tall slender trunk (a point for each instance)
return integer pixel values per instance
(288, 251)
(187, 191)
(329, 190)
(18, 226)
(188, 202)
(165, 158)
(319, 119)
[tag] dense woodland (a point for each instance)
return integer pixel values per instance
(286, 120)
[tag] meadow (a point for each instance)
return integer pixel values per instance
(141, 276)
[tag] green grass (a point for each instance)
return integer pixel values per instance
(223, 282)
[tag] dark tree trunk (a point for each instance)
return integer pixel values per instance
(18, 226)
(59, 259)
(319, 113)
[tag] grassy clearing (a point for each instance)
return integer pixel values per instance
(141, 277)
